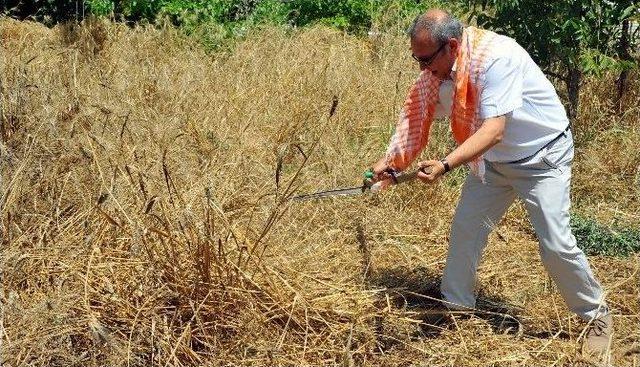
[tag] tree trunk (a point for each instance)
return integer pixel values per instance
(574, 73)
(623, 53)
(573, 90)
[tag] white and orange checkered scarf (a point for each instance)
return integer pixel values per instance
(412, 130)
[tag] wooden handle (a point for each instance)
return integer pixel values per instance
(404, 177)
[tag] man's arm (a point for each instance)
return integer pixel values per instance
(442, 109)
(489, 134)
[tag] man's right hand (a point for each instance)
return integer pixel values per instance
(380, 171)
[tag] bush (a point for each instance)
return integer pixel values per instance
(353, 15)
(596, 239)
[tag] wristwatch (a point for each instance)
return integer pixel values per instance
(444, 162)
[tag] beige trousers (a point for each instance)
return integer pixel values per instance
(542, 182)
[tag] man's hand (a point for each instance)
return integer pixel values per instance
(380, 171)
(435, 169)
(488, 135)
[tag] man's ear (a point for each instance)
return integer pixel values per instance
(453, 45)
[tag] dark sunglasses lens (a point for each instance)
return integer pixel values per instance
(428, 60)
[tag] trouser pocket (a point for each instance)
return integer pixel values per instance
(549, 163)
(559, 154)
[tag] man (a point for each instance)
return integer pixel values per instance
(513, 132)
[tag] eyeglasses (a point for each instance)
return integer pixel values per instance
(426, 61)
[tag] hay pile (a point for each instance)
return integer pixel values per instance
(145, 219)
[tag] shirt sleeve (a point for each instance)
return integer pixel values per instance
(502, 92)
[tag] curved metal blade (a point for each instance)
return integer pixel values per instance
(398, 178)
(329, 193)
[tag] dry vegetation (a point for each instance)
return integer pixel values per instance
(145, 219)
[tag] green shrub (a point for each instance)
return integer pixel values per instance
(270, 11)
(352, 15)
(596, 239)
(100, 8)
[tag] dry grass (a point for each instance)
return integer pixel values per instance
(145, 219)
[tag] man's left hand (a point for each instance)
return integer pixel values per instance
(436, 169)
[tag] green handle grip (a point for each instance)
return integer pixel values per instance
(368, 174)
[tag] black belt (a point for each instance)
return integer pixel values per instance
(563, 133)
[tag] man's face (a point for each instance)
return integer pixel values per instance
(436, 57)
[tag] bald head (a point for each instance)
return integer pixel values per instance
(436, 24)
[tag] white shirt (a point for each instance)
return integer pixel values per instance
(514, 86)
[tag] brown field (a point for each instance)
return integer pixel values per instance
(145, 219)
